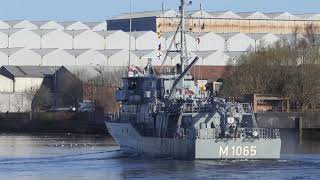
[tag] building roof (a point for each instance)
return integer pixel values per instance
(66, 24)
(156, 13)
(204, 54)
(10, 51)
(107, 33)
(74, 33)
(141, 53)
(173, 54)
(91, 25)
(43, 52)
(227, 35)
(39, 23)
(109, 52)
(10, 31)
(235, 54)
(42, 32)
(31, 71)
(13, 22)
(137, 34)
(309, 16)
(257, 36)
(224, 14)
(76, 52)
(86, 73)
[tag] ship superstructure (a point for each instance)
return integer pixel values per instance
(172, 116)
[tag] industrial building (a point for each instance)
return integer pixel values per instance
(18, 83)
(218, 44)
(218, 22)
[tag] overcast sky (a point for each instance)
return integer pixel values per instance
(97, 10)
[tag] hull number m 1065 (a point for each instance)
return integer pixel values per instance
(238, 151)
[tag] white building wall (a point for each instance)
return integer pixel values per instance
(25, 25)
(149, 40)
(100, 27)
(51, 25)
(57, 39)
(240, 42)
(118, 40)
(216, 59)
(22, 84)
(25, 57)
(119, 59)
(190, 38)
(25, 38)
(267, 40)
(14, 102)
(59, 58)
(3, 59)
(3, 40)
(77, 26)
(6, 84)
(4, 25)
(211, 41)
(92, 58)
(89, 40)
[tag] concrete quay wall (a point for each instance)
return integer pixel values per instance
(283, 120)
(52, 122)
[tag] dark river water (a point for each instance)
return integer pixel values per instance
(38, 157)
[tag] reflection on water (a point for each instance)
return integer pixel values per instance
(95, 157)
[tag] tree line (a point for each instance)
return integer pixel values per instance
(289, 68)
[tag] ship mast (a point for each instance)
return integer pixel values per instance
(183, 53)
(183, 47)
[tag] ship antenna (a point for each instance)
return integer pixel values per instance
(130, 30)
(183, 50)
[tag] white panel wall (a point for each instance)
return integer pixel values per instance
(59, 58)
(25, 25)
(25, 57)
(6, 84)
(240, 42)
(51, 25)
(3, 59)
(211, 41)
(118, 40)
(4, 25)
(77, 26)
(119, 59)
(267, 40)
(100, 27)
(25, 38)
(3, 40)
(57, 39)
(89, 40)
(191, 42)
(216, 59)
(22, 84)
(91, 57)
(149, 40)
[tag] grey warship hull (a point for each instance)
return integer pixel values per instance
(202, 147)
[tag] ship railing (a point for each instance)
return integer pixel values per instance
(192, 108)
(257, 133)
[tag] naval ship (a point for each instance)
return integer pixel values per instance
(170, 115)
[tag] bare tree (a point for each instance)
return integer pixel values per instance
(39, 98)
(289, 68)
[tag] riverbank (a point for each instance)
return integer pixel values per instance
(53, 122)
